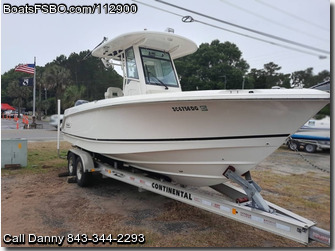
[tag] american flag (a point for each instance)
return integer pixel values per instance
(28, 68)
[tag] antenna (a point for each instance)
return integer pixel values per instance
(90, 53)
(170, 30)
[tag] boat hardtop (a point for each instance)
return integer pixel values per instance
(177, 46)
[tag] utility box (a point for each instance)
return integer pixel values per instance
(13, 152)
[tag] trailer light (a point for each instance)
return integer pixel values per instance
(92, 170)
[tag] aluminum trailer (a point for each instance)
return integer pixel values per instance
(245, 205)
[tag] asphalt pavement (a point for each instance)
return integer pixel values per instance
(46, 133)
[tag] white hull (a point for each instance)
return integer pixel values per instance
(198, 165)
(192, 137)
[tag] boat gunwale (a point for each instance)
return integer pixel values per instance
(172, 98)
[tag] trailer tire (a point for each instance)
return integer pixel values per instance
(71, 164)
(310, 148)
(293, 145)
(83, 177)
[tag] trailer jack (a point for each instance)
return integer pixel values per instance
(251, 189)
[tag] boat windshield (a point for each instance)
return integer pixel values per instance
(158, 68)
(131, 64)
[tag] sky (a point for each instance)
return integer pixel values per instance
(303, 22)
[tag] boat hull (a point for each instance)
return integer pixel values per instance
(190, 137)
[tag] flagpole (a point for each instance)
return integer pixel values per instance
(34, 92)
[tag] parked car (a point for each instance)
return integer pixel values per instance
(7, 113)
(54, 120)
(12, 114)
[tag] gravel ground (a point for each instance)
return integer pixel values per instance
(46, 205)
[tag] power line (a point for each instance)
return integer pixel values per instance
(245, 28)
(189, 19)
(291, 15)
(272, 21)
(256, 38)
(154, 7)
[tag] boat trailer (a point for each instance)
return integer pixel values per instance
(246, 206)
(294, 143)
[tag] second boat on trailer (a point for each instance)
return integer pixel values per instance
(190, 137)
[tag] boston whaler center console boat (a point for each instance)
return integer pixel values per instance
(191, 137)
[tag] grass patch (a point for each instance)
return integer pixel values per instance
(42, 156)
(182, 225)
(305, 194)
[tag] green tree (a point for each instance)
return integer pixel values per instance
(20, 94)
(272, 76)
(91, 73)
(258, 78)
(269, 76)
(6, 79)
(306, 78)
(213, 66)
(302, 78)
(56, 77)
(321, 77)
(72, 94)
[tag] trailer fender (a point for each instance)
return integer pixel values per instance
(86, 158)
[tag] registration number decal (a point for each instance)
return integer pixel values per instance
(191, 108)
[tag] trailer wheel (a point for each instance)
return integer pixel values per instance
(71, 161)
(310, 148)
(82, 177)
(293, 145)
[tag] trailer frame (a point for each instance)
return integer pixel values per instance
(233, 202)
(309, 145)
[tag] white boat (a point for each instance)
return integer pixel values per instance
(313, 125)
(313, 135)
(191, 137)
